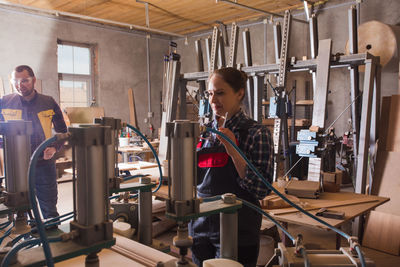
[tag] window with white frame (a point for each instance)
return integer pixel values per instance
(75, 74)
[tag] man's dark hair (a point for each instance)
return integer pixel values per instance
(21, 68)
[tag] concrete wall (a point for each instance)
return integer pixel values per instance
(332, 23)
(31, 39)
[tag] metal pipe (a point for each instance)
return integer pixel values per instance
(148, 76)
(91, 142)
(258, 10)
(145, 214)
(93, 19)
(17, 151)
(306, 11)
(229, 235)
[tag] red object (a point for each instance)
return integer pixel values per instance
(210, 160)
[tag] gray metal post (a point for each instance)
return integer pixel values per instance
(221, 52)
(248, 61)
(145, 214)
(277, 41)
(354, 83)
(233, 45)
(313, 28)
(365, 131)
(365, 126)
(228, 223)
(214, 50)
(258, 91)
(207, 41)
(200, 65)
(228, 235)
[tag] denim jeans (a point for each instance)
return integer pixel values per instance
(46, 188)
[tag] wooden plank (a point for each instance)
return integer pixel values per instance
(384, 122)
(325, 204)
(84, 114)
(386, 181)
(382, 232)
(393, 133)
(132, 109)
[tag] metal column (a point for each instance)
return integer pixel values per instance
(354, 84)
(145, 214)
(214, 50)
(228, 235)
(313, 28)
(248, 61)
(233, 45)
(277, 41)
(365, 125)
(207, 41)
(371, 90)
(258, 91)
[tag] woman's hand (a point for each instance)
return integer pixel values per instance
(229, 148)
(49, 153)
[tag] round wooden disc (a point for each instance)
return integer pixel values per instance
(378, 39)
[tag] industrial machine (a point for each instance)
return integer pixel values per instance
(17, 152)
(183, 203)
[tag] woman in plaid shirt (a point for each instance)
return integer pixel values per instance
(222, 170)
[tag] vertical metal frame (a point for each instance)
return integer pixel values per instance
(200, 65)
(354, 83)
(258, 91)
(365, 125)
(233, 45)
(277, 41)
(248, 61)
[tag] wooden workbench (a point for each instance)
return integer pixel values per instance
(352, 204)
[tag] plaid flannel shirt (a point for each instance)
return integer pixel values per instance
(258, 148)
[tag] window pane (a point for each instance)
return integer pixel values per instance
(73, 59)
(65, 59)
(81, 60)
(73, 93)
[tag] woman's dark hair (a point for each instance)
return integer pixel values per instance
(21, 68)
(235, 78)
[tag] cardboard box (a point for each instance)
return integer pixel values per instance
(331, 187)
(333, 177)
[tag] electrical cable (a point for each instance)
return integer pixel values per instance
(32, 198)
(7, 233)
(258, 209)
(58, 217)
(17, 247)
(5, 225)
(152, 150)
(361, 255)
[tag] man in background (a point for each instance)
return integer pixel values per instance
(29, 105)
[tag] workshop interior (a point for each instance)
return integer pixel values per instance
(199, 133)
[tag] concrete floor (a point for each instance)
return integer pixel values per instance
(313, 238)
